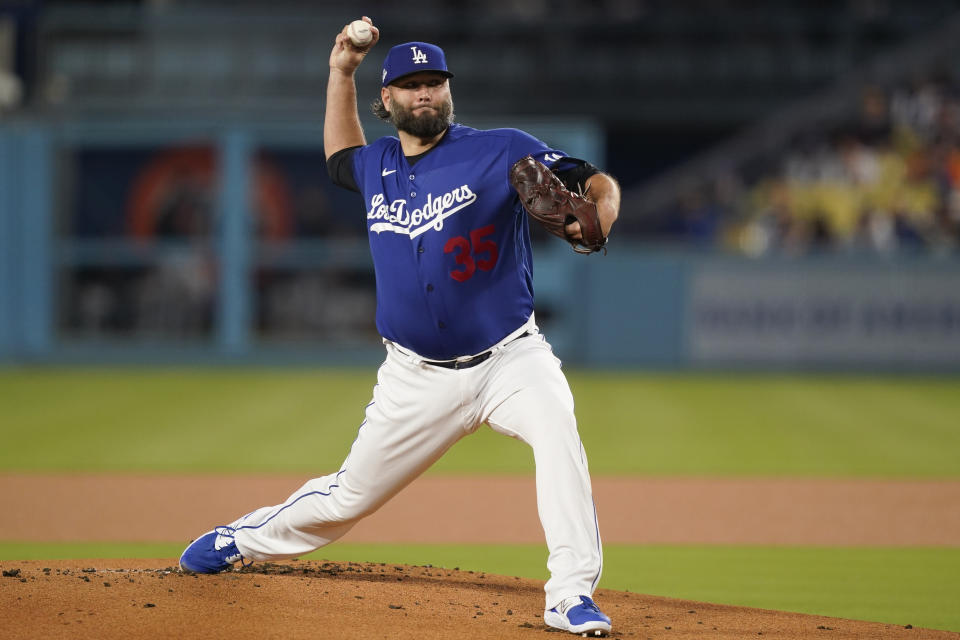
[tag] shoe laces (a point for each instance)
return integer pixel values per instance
(591, 605)
(568, 603)
(223, 532)
(228, 533)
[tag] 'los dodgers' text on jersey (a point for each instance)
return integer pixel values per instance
(400, 219)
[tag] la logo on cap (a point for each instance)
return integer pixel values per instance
(412, 57)
(419, 57)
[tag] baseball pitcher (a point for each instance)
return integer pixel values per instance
(447, 209)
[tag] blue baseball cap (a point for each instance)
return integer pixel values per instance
(413, 57)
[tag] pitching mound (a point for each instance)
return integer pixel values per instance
(133, 599)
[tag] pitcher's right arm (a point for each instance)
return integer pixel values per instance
(341, 122)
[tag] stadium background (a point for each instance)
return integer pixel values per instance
(791, 177)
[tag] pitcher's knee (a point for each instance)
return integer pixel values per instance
(552, 433)
(341, 503)
(348, 506)
(557, 417)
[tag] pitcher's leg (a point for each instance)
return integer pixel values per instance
(531, 401)
(406, 430)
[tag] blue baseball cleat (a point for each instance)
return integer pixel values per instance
(212, 552)
(580, 615)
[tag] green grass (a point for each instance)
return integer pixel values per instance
(258, 420)
(87, 550)
(897, 586)
(179, 420)
(263, 420)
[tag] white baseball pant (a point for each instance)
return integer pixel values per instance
(418, 412)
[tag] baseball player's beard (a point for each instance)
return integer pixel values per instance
(428, 124)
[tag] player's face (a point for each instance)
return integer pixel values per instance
(420, 104)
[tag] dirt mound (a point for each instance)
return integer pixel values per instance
(133, 599)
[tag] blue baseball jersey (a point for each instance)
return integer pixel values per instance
(449, 239)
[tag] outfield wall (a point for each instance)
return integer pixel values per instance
(696, 310)
(89, 273)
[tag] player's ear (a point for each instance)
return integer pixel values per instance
(385, 97)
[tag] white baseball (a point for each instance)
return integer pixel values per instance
(359, 32)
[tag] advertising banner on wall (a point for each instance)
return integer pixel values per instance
(816, 315)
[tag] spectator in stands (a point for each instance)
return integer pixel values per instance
(889, 181)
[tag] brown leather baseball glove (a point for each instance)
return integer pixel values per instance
(554, 206)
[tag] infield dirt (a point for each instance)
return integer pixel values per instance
(134, 599)
(498, 509)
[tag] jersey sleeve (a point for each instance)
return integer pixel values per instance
(523, 144)
(573, 172)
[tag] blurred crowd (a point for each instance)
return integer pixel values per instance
(887, 181)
